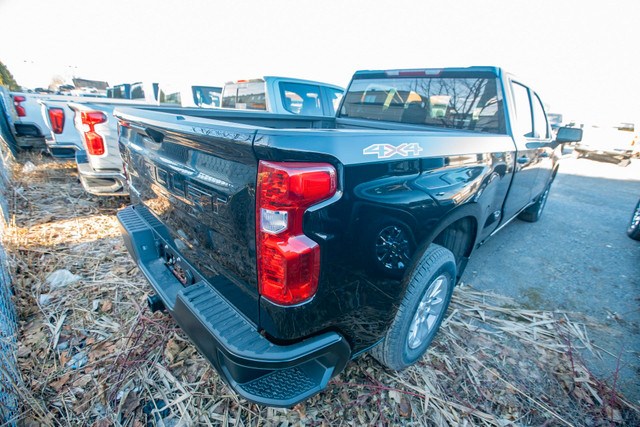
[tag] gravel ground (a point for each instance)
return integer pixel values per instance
(578, 258)
(91, 354)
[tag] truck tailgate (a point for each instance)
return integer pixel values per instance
(200, 181)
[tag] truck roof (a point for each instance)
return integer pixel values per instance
(288, 79)
(423, 72)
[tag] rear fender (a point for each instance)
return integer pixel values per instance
(469, 210)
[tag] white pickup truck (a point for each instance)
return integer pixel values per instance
(283, 95)
(61, 137)
(30, 128)
(609, 143)
(99, 163)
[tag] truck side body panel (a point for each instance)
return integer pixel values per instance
(453, 172)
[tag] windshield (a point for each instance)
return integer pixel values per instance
(469, 102)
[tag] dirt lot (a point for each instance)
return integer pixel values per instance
(578, 258)
(91, 353)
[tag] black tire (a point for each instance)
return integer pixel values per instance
(633, 230)
(430, 286)
(534, 212)
(388, 247)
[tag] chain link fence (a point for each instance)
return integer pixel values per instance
(8, 348)
(9, 378)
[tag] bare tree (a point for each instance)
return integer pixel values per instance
(56, 82)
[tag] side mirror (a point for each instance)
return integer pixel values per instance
(566, 134)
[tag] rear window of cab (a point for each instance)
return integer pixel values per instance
(459, 102)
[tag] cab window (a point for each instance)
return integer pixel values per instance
(523, 122)
(540, 123)
(335, 96)
(251, 96)
(298, 98)
(229, 96)
(206, 97)
(470, 101)
(169, 95)
(137, 92)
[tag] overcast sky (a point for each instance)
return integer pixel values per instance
(583, 57)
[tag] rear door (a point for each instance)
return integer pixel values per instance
(543, 137)
(525, 178)
(199, 180)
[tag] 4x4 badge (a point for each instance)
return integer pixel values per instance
(384, 151)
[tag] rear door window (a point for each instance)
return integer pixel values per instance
(251, 96)
(206, 97)
(298, 98)
(229, 94)
(137, 92)
(523, 122)
(169, 95)
(540, 123)
(334, 96)
(118, 92)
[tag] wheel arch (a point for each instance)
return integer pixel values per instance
(458, 231)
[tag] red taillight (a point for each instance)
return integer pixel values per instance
(56, 117)
(95, 143)
(19, 108)
(289, 261)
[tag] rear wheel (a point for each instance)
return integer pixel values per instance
(534, 212)
(633, 230)
(422, 310)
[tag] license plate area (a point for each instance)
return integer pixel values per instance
(176, 265)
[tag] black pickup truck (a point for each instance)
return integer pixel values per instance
(286, 246)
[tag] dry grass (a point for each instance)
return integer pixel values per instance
(92, 354)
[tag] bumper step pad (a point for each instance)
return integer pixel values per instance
(281, 385)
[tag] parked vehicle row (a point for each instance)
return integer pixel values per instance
(292, 229)
(289, 226)
(84, 128)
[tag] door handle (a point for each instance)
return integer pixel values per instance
(151, 133)
(523, 160)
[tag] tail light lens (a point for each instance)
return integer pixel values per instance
(56, 117)
(95, 143)
(289, 261)
(19, 108)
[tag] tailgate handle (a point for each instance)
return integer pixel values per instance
(155, 135)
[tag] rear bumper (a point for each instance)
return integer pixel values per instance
(100, 183)
(257, 369)
(61, 151)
